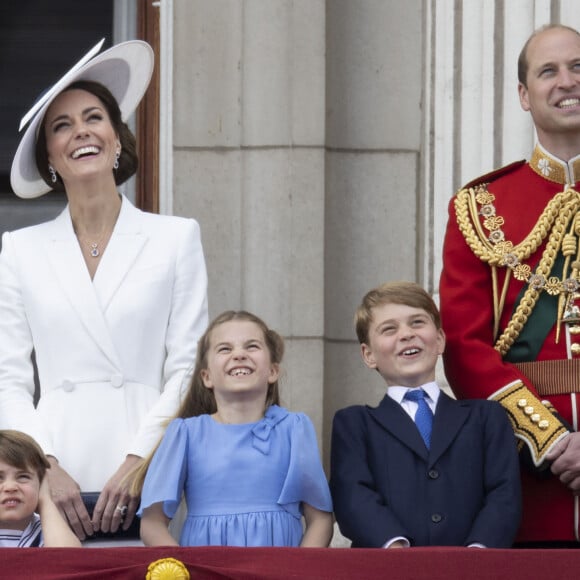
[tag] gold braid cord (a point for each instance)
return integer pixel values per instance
(532, 420)
(500, 253)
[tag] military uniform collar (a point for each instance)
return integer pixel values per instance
(554, 169)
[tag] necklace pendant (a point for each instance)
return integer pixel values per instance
(95, 250)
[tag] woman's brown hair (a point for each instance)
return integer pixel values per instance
(128, 161)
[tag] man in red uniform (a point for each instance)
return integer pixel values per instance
(510, 290)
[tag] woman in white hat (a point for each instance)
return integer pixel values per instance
(110, 299)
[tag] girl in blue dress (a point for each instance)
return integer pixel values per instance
(249, 469)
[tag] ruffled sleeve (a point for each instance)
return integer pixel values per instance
(305, 481)
(165, 477)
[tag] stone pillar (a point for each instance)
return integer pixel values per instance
(248, 138)
(374, 130)
(318, 144)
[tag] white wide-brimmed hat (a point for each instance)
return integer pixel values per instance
(125, 69)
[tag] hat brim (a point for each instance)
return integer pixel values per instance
(125, 69)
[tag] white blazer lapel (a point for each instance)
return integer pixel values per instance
(123, 248)
(66, 260)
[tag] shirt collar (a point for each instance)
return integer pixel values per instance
(398, 393)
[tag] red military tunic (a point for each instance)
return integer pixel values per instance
(510, 268)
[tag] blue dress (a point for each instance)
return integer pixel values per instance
(243, 484)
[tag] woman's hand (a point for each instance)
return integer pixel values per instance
(110, 510)
(66, 495)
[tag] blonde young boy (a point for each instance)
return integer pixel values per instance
(427, 472)
(28, 516)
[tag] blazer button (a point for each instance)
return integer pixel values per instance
(436, 518)
(68, 386)
(433, 474)
(117, 381)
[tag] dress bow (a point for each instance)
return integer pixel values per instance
(261, 431)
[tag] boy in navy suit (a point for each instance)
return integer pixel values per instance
(421, 469)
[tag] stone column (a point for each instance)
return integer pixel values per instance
(248, 126)
(374, 131)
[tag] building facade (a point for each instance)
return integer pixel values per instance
(318, 144)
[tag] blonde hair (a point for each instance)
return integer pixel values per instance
(199, 400)
(407, 293)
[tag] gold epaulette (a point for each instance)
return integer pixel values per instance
(532, 420)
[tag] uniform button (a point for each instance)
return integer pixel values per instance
(574, 329)
(543, 424)
(433, 474)
(522, 403)
(529, 410)
(535, 418)
(68, 386)
(575, 349)
(436, 518)
(117, 381)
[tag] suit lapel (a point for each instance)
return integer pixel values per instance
(125, 245)
(392, 417)
(66, 260)
(450, 416)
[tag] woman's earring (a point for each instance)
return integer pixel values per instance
(52, 173)
(117, 155)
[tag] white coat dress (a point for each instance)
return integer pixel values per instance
(113, 353)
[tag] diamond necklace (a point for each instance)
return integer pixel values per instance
(94, 249)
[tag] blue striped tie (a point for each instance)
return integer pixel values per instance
(424, 415)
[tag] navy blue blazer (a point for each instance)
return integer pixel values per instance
(464, 490)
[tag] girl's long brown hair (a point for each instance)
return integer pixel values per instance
(199, 400)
